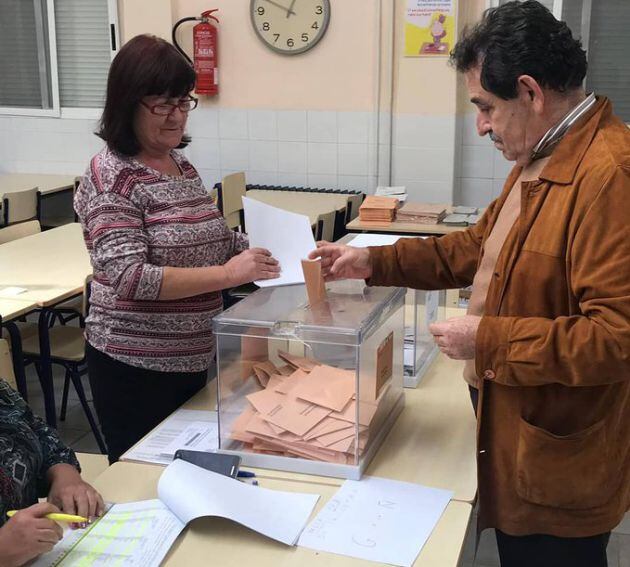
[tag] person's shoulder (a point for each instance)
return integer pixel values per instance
(188, 169)
(613, 140)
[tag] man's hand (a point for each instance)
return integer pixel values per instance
(28, 534)
(71, 494)
(342, 262)
(456, 336)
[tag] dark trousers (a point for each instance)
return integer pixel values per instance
(130, 401)
(552, 551)
(474, 398)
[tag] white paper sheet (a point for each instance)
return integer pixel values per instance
(192, 492)
(155, 447)
(198, 436)
(378, 520)
(367, 239)
(288, 236)
(138, 533)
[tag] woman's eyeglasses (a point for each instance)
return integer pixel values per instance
(165, 108)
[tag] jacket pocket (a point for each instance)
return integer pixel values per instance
(571, 472)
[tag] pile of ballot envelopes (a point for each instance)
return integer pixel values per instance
(378, 209)
(305, 409)
(421, 213)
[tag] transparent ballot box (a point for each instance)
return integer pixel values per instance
(310, 389)
(421, 309)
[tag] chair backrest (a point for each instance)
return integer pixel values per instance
(354, 202)
(6, 364)
(327, 231)
(77, 182)
(19, 230)
(20, 206)
(232, 189)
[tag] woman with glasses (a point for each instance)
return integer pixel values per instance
(160, 250)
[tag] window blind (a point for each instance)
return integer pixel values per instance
(608, 61)
(83, 51)
(19, 64)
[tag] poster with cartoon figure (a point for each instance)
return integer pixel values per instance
(429, 28)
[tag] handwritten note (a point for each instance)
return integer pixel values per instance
(378, 520)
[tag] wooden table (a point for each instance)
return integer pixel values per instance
(433, 441)
(228, 544)
(46, 183)
(52, 266)
(396, 227)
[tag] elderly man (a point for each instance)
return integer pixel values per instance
(547, 337)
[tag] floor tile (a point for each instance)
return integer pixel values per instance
(487, 553)
(86, 444)
(624, 526)
(624, 550)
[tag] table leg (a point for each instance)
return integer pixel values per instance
(45, 368)
(17, 357)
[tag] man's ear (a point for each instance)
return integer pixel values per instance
(530, 91)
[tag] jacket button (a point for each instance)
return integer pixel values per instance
(489, 375)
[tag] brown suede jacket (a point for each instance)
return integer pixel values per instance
(553, 350)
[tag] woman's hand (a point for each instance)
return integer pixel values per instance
(343, 262)
(71, 494)
(28, 534)
(251, 265)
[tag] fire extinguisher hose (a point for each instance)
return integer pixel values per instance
(179, 48)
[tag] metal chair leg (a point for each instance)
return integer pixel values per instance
(78, 386)
(64, 398)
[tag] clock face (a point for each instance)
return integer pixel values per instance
(290, 26)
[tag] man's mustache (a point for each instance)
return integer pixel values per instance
(494, 137)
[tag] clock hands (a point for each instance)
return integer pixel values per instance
(289, 11)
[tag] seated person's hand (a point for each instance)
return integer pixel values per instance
(342, 262)
(251, 265)
(28, 534)
(73, 495)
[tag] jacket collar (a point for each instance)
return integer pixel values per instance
(568, 154)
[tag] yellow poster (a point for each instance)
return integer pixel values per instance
(429, 28)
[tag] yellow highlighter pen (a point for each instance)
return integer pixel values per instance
(55, 517)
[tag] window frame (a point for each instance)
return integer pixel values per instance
(56, 110)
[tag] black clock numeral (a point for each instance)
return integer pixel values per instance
(266, 26)
(315, 26)
(305, 37)
(260, 10)
(290, 42)
(277, 36)
(319, 10)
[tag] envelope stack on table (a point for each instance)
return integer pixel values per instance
(378, 209)
(305, 409)
(421, 213)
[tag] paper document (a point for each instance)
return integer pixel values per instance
(192, 492)
(366, 239)
(288, 236)
(138, 533)
(158, 446)
(377, 519)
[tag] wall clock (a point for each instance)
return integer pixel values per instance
(290, 26)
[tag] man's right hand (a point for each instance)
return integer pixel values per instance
(28, 534)
(343, 262)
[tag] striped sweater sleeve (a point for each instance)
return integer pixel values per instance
(119, 246)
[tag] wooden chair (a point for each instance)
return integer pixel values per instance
(21, 206)
(232, 190)
(19, 230)
(67, 348)
(6, 364)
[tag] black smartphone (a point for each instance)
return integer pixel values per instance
(227, 465)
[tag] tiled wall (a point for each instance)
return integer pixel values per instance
(438, 159)
(482, 169)
(46, 145)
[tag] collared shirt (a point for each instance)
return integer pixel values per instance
(28, 448)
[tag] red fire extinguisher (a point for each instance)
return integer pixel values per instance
(205, 52)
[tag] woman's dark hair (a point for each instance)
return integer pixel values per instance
(521, 38)
(146, 65)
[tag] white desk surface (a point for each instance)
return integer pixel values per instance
(92, 465)
(47, 183)
(52, 265)
(228, 544)
(13, 308)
